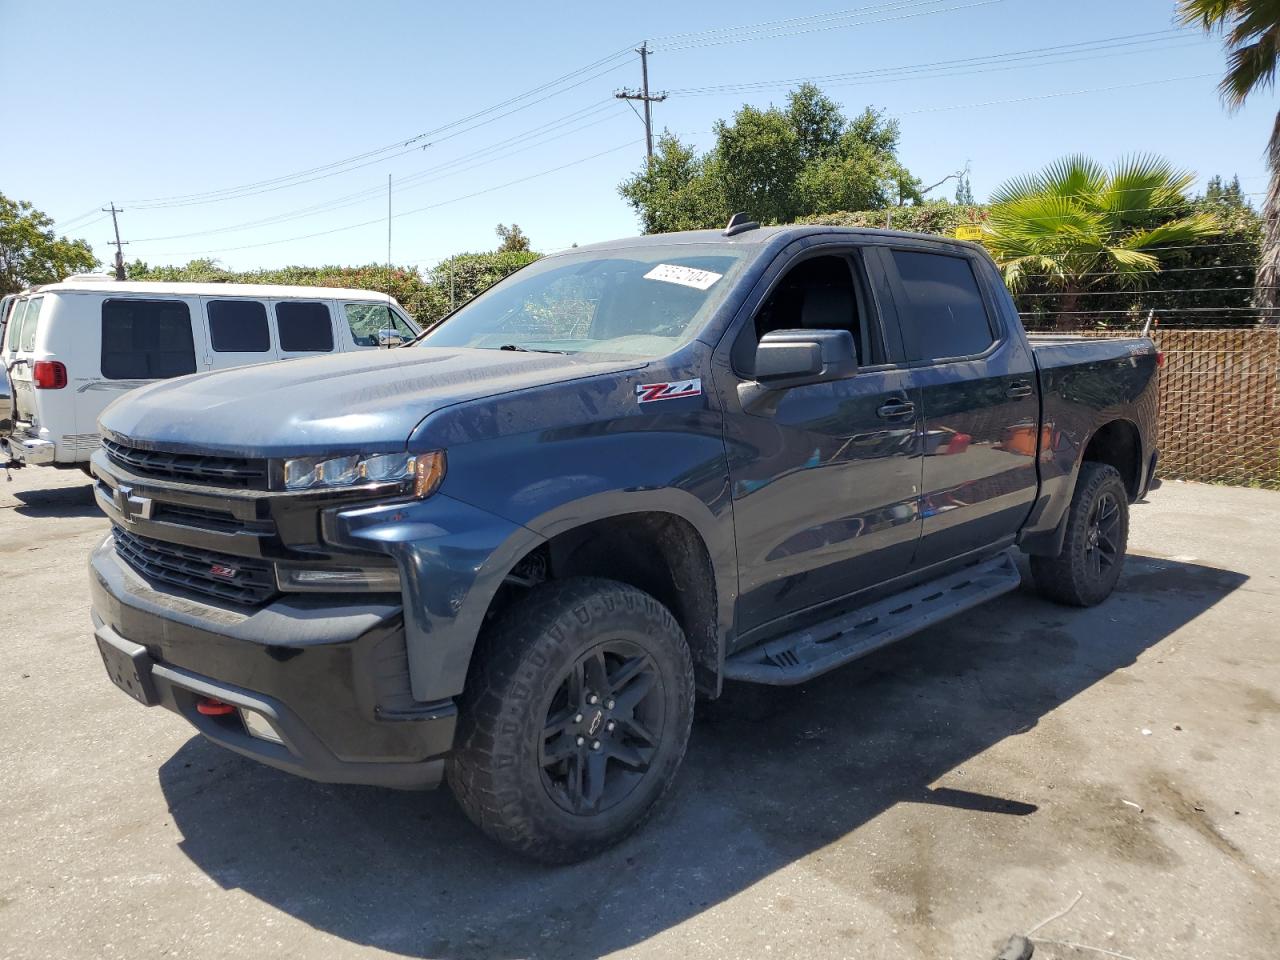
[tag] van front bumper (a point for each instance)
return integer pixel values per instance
(330, 678)
(30, 450)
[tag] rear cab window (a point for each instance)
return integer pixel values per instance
(238, 326)
(304, 326)
(146, 339)
(942, 305)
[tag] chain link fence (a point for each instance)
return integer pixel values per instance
(1219, 405)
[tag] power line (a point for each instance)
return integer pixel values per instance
(401, 148)
(1008, 60)
(405, 213)
(1065, 93)
(412, 181)
(823, 22)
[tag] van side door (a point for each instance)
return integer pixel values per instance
(303, 328)
(825, 478)
(237, 332)
(979, 395)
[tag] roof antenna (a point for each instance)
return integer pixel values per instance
(740, 223)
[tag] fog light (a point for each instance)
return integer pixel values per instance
(362, 580)
(259, 726)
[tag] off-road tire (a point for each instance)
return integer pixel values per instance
(1075, 576)
(521, 668)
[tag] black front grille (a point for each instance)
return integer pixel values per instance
(203, 518)
(239, 579)
(218, 471)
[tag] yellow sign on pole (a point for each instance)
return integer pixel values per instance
(969, 231)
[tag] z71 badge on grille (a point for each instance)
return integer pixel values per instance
(223, 572)
(649, 392)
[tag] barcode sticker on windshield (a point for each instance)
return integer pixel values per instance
(685, 276)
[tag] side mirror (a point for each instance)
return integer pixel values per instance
(793, 358)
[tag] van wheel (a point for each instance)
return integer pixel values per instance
(1092, 557)
(575, 719)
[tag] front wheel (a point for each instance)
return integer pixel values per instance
(575, 719)
(1092, 557)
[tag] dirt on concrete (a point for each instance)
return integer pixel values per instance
(928, 801)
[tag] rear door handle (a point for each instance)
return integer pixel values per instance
(896, 409)
(1018, 390)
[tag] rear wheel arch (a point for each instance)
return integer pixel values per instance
(1118, 443)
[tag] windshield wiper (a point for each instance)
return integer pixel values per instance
(520, 349)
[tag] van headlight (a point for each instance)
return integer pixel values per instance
(426, 470)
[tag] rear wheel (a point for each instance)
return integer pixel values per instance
(1092, 557)
(575, 719)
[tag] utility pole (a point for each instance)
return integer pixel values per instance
(643, 95)
(113, 210)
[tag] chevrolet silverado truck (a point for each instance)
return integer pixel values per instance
(513, 553)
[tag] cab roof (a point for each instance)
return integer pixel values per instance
(765, 237)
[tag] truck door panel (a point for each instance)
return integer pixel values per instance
(980, 410)
(825, 484)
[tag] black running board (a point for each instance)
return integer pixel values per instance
(805, 654)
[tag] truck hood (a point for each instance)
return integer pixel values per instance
(368, 401)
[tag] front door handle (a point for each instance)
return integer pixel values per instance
(896, 409)
(1018, 390)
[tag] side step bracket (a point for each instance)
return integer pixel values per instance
(805, 654)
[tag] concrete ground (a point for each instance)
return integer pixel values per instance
(928, 801)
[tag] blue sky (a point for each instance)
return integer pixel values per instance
(142, 101)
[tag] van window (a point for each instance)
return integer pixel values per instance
(304, 326)
(146, 339)
(29, 323)
(238, 326)
(15, 325)
(375, 325)
(944, 303)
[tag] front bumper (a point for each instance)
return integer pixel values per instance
(331, 677)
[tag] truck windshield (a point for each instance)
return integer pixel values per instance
(627, 302)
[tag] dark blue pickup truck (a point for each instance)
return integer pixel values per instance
(512, 552)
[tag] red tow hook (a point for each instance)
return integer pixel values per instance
(214, 708)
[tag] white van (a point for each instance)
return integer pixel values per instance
(71, 348)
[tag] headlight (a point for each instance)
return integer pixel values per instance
(426, 470)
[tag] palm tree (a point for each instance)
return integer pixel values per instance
(1252, 32)
(1077, 225)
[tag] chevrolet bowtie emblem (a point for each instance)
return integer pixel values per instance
(133, 507)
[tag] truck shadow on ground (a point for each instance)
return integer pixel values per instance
(772, 776)
(75, 501)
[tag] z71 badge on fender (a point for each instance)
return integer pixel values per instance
(649, 392)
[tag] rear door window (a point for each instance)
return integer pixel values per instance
(14, 330)
(29, 323)
(146, 339)
(944, 305)
(305, 326)
(238, 326)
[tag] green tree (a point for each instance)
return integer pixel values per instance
(1251, 30)
(1074, 224)
(778, 164)
(676, 190)
(31, 253)
(513, 239)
